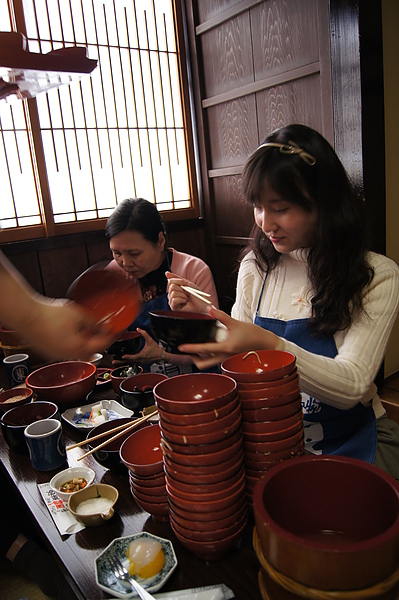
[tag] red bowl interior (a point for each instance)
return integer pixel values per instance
(332, 522)
(25, 414)
(15, 397)
(194, 393)
(64, 382)
(141, 452)
(110, 297)
(262, 365)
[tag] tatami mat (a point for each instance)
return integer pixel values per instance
(15, 586)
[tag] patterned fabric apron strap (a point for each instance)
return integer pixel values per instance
(328, 430)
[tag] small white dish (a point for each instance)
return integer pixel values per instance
(67, 475)
(106, 579)
(79, 417)
(96, 359)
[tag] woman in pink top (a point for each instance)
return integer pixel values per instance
(139, 245)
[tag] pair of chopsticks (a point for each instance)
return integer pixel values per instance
(197, 293)
(121, 429)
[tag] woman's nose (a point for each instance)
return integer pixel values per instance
(267, 222)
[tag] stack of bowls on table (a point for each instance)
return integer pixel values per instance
(272, 419)
(141, 453)
(200, 421)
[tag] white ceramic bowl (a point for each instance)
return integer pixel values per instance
(96, 359)
(66, 475)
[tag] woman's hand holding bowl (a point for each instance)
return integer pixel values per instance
(151, 352)
(239, 337)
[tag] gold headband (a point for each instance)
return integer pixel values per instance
(291, 148)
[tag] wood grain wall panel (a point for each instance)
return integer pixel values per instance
(285, 36)
(298, 101)
(60, 266)
(227, 53)
(232, 217)
(207, 9)
(234, 130)
(27, 263)
(98, 252)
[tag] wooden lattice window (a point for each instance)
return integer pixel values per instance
(70, 154)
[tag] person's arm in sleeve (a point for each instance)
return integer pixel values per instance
(55, 328)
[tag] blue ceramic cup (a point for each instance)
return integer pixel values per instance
(17, 368)
(45, 444)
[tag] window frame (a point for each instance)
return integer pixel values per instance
(49, 228)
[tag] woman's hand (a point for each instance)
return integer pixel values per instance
(150, 353)
(240, 337)
(178, 298)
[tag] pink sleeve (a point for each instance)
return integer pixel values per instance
(197, 271)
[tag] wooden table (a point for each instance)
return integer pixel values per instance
(76, 553)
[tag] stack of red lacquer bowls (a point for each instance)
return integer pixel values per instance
(142, 454)
(200, 421)
(272, 420)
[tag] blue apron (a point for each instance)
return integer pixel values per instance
(328, 430)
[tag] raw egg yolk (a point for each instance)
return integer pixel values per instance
(146, 557)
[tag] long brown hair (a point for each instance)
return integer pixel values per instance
(337, 261)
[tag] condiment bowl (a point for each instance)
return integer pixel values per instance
(64, 383)
(260, 365)
(137, 392)
(14, 397)
(103, 498)
(194, 393)
(317, 522)
(119, 374)
(178, 327)
(14, 421)
(67, 475)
